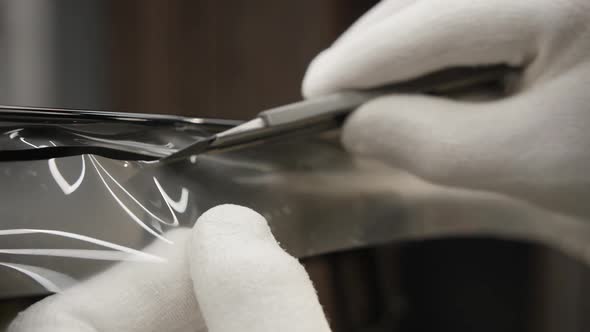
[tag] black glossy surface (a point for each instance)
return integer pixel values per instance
(40, 133)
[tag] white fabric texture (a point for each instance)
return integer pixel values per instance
(229, 265)
(533, 145)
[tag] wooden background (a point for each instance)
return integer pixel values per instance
(225, 59)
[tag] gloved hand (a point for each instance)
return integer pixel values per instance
(227, 274)
(534, 145)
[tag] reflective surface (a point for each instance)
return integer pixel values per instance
(43, 133)
(63, 220)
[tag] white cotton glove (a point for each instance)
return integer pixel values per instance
(534, 145)
(229, 266)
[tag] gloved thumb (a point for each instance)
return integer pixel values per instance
(444, 141)
(531, 145)
(244, 281)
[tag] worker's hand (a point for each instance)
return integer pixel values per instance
(227, 274)
(534, 145)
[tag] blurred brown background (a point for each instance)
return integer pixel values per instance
(211, 58)
(231, 59)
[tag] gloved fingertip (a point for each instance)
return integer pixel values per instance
(243, 279)
(230, 221)
(316, 81)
